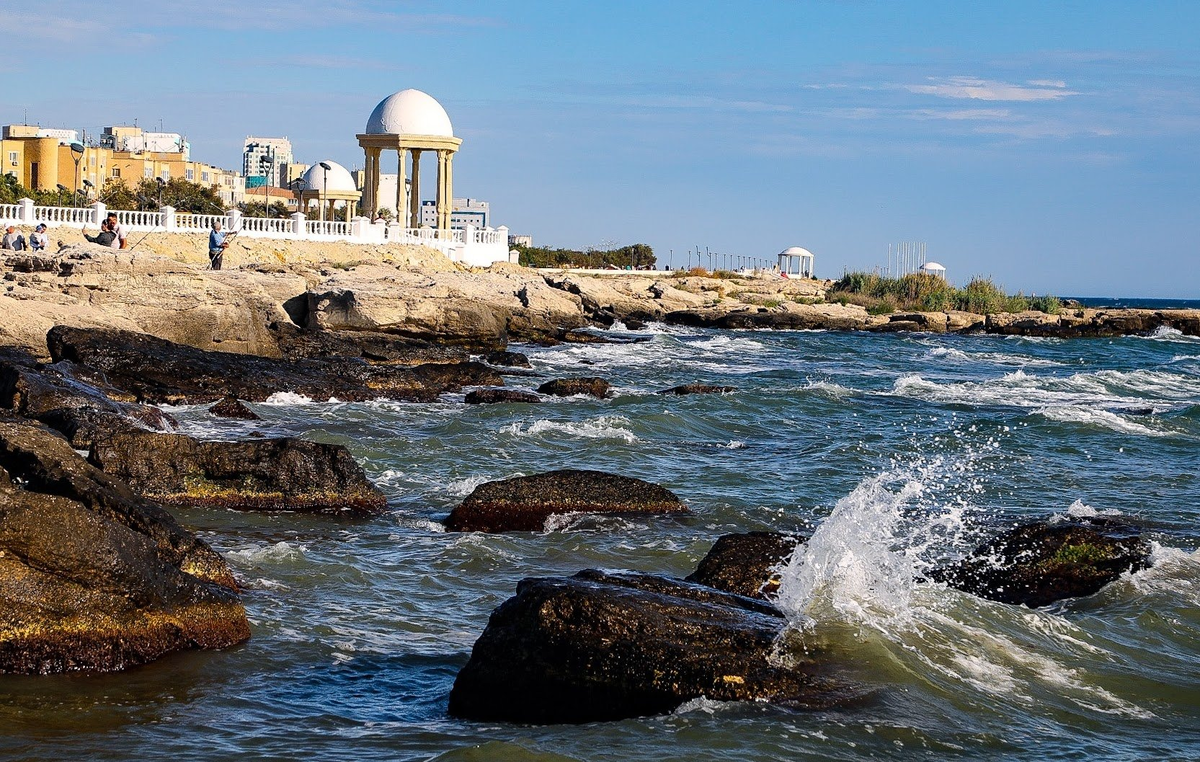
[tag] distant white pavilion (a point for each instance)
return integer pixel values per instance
(796, 262)
(933, 268)
(409, 121)
(328, 183)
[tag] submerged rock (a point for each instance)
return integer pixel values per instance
(1040, 563)
(746, 564)
(600, 646)
(232, 407)
(154, 370)
(261, 474)
(523, 503)
(569, 387)
(490, 396)
(93, 578)
(698, 389)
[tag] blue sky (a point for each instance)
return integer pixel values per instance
(1050, 145)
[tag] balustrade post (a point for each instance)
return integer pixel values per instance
(469, 234)
(26, 211)
(502, 233)
(168, 218)
(358, 228)
(233, 220)
(99, 212)
(298, 224)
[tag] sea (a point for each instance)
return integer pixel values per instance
(894, 453)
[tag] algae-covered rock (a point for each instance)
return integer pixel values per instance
(260, 474)
(1040, 563)
(523, 503)
(569, 387)
(93, 578)
(746, 564)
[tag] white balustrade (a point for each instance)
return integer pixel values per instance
(473, 246)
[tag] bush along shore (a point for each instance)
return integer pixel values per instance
(96, 575)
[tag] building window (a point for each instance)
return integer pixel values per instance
(149, 171)
(166, 173)
(116, 172)
(12, 156)
(204, 176)
(191, 174)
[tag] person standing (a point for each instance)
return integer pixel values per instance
(216, 245)
(118, 231)
(12, 240)
(38, 241)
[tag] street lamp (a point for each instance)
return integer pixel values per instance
(266, 163)
(88, 185)
(77, 154)
(161, 184)
(402, 214)
(324, 186)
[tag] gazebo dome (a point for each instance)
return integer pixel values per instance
(340, 180)
(409, 112)
(795, 251)
(932, 267)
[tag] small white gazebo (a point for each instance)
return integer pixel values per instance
(327, 183)
(796, 262)
(933, 268)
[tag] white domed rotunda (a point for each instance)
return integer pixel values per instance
(409, 122)
(796, 262)
(328, 183)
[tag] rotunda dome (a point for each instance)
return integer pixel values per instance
(340, 180)
(795, 251)
(409, 112)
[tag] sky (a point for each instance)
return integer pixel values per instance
(1052, 146)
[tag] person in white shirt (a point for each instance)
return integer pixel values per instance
(37, 239)
(118, 231)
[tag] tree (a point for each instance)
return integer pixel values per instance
(638, 255)
(255, 209)
(116, 195)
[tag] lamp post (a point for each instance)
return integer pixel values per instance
(324, 187)
(77, 154)
(161, 184)
(402, 214)
(87, 184)
(266, 163)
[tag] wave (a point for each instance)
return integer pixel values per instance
(257, 555)
(604, 427)
(994, 358)
(1166, 333)
(1101, 419)
(287, 399)
(1106, 388)
(856, 589)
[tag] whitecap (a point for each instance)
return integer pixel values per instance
(604, 427)
(290, 398)
(1100, 418)
(277, 553)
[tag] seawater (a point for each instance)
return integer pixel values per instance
(895, 453)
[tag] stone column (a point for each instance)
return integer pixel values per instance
(26, 210)
(414, 195)
(368, 201)
(168, 217)
(448, 188)
(441, 191)
(401, 201)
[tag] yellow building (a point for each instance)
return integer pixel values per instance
(44, 163)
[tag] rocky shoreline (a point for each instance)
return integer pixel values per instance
(96, 575)
(412, 306)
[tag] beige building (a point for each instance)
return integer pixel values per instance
(46, 162)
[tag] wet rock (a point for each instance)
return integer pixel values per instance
(1040, 563)
(262, 474)
(373, 346)
(746, 564)
(232, 407)
(158, 371)
(93, 578)
(523, 503)
(490, 396)
(56, 396)
(507, 359)
(569, 387)
(600, 646)
(698, 389)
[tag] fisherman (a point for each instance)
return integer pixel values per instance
(105, 237)
(216, 245)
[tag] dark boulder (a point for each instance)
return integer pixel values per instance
(601, 646)
(1040, 563)
(523, 503)
(57, 396)
(305, 343)
(746, 564)
(155, 370)
(489, 396)
(260, 474)
(232, 407)
(698, 389)
(92, 578)
(507, 359)
(568, 387)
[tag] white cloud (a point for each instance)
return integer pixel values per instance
(974, 88)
